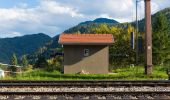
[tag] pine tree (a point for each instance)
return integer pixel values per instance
(41, 62)
(160, 38)
(14, 60)
(24, 61)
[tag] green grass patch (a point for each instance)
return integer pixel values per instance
(128, 73)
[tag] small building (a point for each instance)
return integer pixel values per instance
(86, 53)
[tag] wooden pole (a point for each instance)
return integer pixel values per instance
(148, 38)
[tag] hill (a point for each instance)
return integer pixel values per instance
(99, 21)
(46, 50)
(21, 45)
(165, 11)
(84, 27)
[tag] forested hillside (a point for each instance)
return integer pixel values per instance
(85, 27)
(23, 45)
(166, 12)
(47, 50)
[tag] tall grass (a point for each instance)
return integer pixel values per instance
(127, 73)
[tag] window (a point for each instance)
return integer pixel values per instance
(86, 52)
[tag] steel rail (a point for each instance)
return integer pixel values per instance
(84, 93)
(84, 83)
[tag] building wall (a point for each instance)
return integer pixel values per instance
(96, 63)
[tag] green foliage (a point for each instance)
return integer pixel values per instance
(55, 64)
(13, 68)
(14, 60)
(24, 61)
(25, 64)
(13, 63)
(102, 29)
(125, 73)
(3, 67)
(137, 72)
(161, 38)
(85, 27)
(120, 52)
(28, 68)
(47, 50)
(21, 45)
(41, 62)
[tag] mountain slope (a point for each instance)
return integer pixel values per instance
(21, 45)
(46, 50)
(99, 21)
(165, 11)
(84, 27)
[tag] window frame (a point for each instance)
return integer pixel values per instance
(86, 52)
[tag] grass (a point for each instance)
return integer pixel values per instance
(137, 73)
(128, 73)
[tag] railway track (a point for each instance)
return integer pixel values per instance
(84, 83)
(103, 89)
(85, 95)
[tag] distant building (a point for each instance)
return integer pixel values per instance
(86, 53)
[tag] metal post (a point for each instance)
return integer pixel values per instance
(137, 32)
(148, 38)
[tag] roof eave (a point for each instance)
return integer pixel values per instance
(74, 43)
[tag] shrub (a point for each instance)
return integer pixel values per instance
(54, 64)
(27, 68)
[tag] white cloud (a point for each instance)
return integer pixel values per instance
(49, 17)
(10, 34)
(54, 16)
(56, 8)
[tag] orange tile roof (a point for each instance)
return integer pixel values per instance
(86, 38)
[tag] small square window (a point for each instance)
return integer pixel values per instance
(86, 52)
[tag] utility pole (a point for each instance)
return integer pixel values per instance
(137, 32)
(148, 38)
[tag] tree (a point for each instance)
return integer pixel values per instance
(24, 61)
(41, 62)
(160, 39)
(14, 60)
(121, 54)
(55, 64)
(102, 29)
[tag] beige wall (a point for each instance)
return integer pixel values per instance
(96, 63)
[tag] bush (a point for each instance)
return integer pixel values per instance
(54, 64)
(41, 62)
(3, 67)
(27, 68)
(13, 68)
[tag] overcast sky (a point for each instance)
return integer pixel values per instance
(20, 17)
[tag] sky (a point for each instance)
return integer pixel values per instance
(52, 17)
